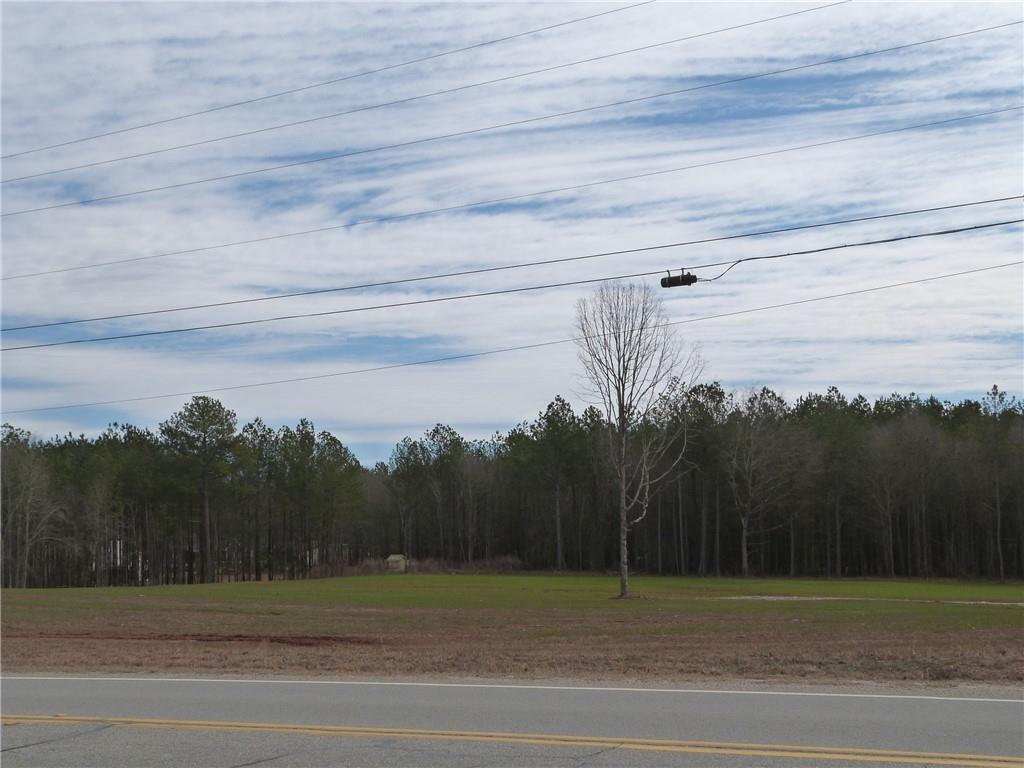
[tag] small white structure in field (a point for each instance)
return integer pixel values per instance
(396, 563)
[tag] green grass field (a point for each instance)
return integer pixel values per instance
(535, 624)
(536, 590)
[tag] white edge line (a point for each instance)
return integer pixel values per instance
(510, 686)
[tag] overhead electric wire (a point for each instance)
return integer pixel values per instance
(511, 198)
(736, 262)
(521, 265)
(723, 273)
(481, 294)
(488, 128)
(517, 348)
(332, 81)
(418, 97)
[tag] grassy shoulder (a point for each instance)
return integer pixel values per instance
(529, 625)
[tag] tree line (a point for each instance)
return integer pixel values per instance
(824, 486)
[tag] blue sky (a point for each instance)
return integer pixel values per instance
(73, 69)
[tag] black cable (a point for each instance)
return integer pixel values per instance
(484, 129)
(511, 198)
(419, 60)
(724, 272)
(419, 97)
(736, 262)
(522, 265)
(521, 347)
(481, 294)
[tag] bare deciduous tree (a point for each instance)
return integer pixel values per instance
(635, 366)
(755, 464)
(29, 510)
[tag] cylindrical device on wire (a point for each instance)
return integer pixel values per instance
(675, 280)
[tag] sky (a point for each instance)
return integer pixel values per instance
(74, 70)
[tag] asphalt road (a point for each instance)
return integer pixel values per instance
(176, 722)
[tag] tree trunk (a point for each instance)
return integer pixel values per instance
(623, 533)
(839, 539)
(471, 525)
(999, 530)
(792, 546)
(659, 534)
(577, 508)
(890, 546)
(744, 562)
(191, 550)
(1020, 534)
(145, 567)
(559, 556)
(256, 558)
(702, 567)
(926, 547)
(682, 525)
(908, 544)
(440, 528)
(718, 529)
(680, 554)
(270, 543)
(23, 567)
(289, 543)
(828, 548)
(207, 563)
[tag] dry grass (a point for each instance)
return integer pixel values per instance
(522, 626)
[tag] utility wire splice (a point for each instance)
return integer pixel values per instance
(683, 278)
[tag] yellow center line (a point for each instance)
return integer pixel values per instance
(854, 754)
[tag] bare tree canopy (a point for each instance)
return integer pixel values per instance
(636, 368)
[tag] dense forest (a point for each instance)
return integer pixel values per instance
(824, 486)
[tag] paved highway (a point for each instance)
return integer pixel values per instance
(51, 721)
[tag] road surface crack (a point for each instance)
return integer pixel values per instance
(582, 760)
(65, 737)
(263, 760)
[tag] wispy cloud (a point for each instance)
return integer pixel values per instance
(75, 69)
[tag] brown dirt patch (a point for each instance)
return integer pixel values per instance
(706, 647)
(307, 640)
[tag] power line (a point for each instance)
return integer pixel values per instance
(512, 198)
(518, 348)
(481, 294)
(419, 97)
(522, 265)
(484, 129)
(333, 81)
(719, 276)
(737, 262)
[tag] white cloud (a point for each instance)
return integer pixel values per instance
(74, 69)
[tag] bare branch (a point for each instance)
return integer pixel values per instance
(634, 366)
